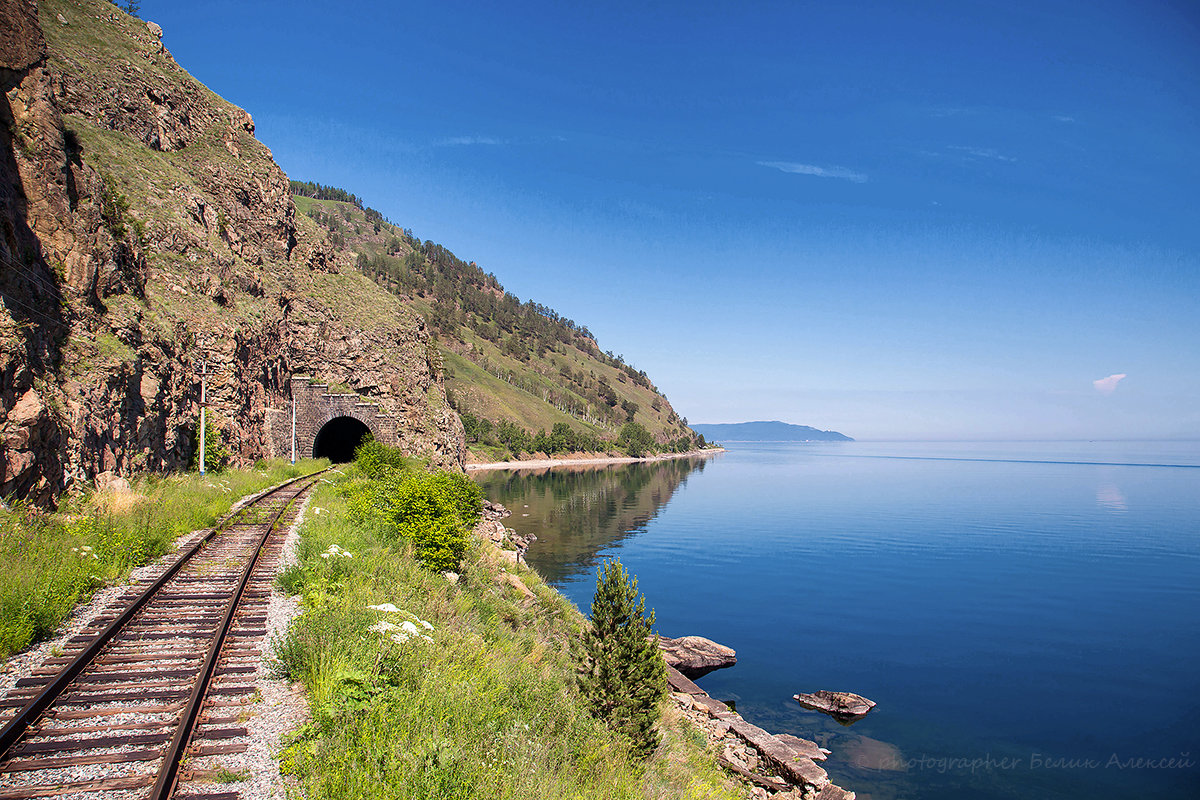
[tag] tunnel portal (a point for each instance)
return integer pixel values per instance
(329, 424)
(339, 438)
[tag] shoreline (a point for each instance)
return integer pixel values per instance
(545, 463)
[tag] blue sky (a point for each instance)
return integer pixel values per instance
(919, 220)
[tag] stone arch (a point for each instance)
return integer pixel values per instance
(315, 407)
(339, 437)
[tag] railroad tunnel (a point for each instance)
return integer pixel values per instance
(339, 438)
(327, 424)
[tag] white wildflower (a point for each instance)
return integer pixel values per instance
(400, 638)
(334, 550)
(383, 626)
(388, 607)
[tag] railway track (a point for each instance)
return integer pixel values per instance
(163, 675)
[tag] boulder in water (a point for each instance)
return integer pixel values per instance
(845, 707)
(695, 656)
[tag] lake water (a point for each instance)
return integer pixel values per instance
(1026, 615)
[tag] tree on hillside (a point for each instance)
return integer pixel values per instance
(635, 440)
(622, 670)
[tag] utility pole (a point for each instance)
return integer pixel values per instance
(203, 405)
(293, 426)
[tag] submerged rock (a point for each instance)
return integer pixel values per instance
(696, 656)
(845, 707)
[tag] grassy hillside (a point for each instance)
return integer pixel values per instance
(503, 359)
(477, 699)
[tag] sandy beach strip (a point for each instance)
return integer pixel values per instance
(567, 461)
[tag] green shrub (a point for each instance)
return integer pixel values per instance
(375, 459)
(216, 454)
(422, 510)
(433, 511)
(464, 494)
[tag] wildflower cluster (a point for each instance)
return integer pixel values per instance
(336, 552)
(405, 630)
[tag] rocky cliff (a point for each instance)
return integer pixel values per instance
(145, 231)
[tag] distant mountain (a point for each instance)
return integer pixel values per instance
(767, 432)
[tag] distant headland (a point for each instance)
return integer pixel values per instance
(774, 431)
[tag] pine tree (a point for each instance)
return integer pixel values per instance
(622, 670)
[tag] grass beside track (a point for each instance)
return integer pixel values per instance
(482, 702)
(51, 561)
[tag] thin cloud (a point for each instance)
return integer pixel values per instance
(960, 111)
(466, 141)
(1063, 118)
(981, 152)
(811, 169)
(1108, 385)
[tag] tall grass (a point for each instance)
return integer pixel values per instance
(51, 561)
(482, 704)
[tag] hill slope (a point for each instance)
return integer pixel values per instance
(505, 361)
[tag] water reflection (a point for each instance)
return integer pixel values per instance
(578, 511)
(1110, 498)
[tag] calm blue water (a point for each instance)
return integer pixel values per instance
(1026, 615)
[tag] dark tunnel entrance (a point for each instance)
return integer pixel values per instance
(339, 438)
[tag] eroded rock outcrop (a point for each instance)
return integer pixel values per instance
(144, 230)
(777, 765)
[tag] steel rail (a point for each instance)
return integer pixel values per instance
(169, 771)
(12, 731)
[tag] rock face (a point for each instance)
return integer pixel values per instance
(842, 706)
(144, 230)
(510, 544)
(696, 656)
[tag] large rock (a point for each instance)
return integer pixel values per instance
(845, 707)
(804, 747)
(696, 656)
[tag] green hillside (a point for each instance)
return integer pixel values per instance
(504, 360)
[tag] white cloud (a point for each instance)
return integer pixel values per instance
(1108, 385)
(1063, 118)
(811, 169)
(456, 141)
(981, 152)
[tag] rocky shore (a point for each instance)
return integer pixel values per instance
(776, 765)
